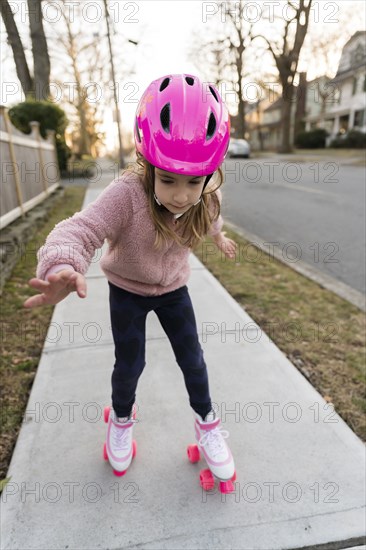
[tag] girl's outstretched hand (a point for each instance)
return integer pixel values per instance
(56, 288)
(228, 246)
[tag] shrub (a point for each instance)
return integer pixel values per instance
(352, 140)
(50, 117)
(315, 139)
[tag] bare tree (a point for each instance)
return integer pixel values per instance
(286, 58)
(38, 85)
(264, 83)
(84, 64)
(321, 49)
(223, 58)
(73, 49)
(324, 43)
(85, 78)
(239, 41)
(210, 58)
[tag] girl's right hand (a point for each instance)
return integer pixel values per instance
(56, 288)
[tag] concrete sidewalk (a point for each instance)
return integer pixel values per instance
(300, 469)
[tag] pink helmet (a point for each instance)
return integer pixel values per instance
(182, 125)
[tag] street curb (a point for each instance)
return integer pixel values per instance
(326, 281)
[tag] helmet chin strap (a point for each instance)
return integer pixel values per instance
(157, 200)
(207, 179)
(159, 203)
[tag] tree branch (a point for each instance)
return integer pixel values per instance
(275, 55)
(16, 45)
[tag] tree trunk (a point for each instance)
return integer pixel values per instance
(241, 115)
(14, 41)
(81, 105)
(84, 141)
(288, 98)
(41, 58)
(260, 134)
(241, 106)
(286, 62)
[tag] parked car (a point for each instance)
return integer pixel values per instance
(239, 148)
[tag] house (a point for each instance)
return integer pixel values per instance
(338, 104)
(319, 95)
(258, 135)
(265, 122)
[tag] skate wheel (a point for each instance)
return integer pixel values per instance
(193, 453)
(134, 448)
(207, 480)
(119, 474)
(226, 486)
(106, 413)
(105, 455)
(234, 477)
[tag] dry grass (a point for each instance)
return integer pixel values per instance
(23, 331)
(321, 334)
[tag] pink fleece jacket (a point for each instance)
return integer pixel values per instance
(120, 214)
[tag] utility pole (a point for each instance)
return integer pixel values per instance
(118, 119)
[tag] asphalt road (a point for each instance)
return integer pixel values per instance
(315, 212)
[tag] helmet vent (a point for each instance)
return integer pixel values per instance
(164, 84)
(214, 93)
(138, 132)
(165, 118)
(190, 80)
(211, 126)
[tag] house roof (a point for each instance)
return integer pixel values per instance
(319, 78)
(358, 33)
(347, 73)
(279, 102)
(276, 105)
(270, 124)
(250, 107)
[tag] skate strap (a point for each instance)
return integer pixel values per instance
(206, 426)
(124, 425)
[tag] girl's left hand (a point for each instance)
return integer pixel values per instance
(228, 246)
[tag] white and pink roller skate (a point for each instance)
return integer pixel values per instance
(119, 448)
(211, 439)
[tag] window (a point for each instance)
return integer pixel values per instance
(343, 124)
(329, 125)
(354, 85)
(359, 119)
(358, 55)
(337, 96)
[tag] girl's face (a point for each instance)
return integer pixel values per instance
(176, 191)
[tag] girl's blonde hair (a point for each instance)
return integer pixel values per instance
(193, 224)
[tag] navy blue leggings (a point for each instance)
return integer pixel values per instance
(175, 312)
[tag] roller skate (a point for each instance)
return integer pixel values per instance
(210, 438)
(119, 447)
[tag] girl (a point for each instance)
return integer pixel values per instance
(152, 215)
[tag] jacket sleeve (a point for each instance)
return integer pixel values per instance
(74, 240)
(217, 225)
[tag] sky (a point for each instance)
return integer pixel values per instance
(164, 30)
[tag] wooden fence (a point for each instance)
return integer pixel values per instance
(29, 168)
